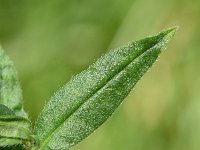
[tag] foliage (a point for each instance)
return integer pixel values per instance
(83, 104)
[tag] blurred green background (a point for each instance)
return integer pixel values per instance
(52, 40)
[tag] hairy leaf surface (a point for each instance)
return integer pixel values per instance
(90, 98)
(5, 110)
(10, 90)
(13, 129)
(8, 142)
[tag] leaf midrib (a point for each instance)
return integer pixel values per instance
(48, 136)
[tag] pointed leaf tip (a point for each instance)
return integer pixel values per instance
(90, 98)
(169, 33)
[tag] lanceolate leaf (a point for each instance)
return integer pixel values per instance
(10, 90)
(90, 98)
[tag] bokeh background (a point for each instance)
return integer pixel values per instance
(52, 40)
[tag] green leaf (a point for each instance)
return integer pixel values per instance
(91, 97)
(7, 142)
(11, 144)
(10, 90)
(5, 110)
(15, 127)
(14, 130)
